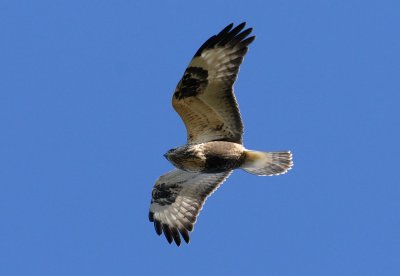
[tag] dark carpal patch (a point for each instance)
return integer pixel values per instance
(219, 127)
(164, 194)
(193, 82)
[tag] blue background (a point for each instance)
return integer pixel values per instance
(85, 116)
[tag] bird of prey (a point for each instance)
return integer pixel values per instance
(205, 101)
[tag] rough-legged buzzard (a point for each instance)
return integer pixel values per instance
(205, 101)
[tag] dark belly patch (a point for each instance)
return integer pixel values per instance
(220, 163)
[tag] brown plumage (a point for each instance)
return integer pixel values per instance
(204, 97)
(205, 101)
(210, 157)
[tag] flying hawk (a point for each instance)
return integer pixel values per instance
(205, 101)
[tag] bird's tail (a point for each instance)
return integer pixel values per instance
(267, 163)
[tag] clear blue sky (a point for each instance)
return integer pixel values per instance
(85, 117)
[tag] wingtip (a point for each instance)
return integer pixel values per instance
(242, 25)
(225, 30)
(176, 236)
(158, 227)
(249, 40)
(228, 34)
(185, 235)
(151, 216)
(167, 233)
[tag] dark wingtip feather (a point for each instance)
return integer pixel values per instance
(189, 227)
(248, 40)
(151, 216)
(158, 227)
(240, 26)
(226, 36)
(175, 235)
(239, 38)
(225, 30)
(231, 35)
(167, 233)
(185, 234)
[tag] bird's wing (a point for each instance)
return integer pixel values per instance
(204, 96)
(177, 199)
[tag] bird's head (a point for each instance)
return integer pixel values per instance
(175, 155)
(170, 153)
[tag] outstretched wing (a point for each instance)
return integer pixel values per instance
(204, 96)
(177, 199)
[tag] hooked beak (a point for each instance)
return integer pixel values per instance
(166, 156)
